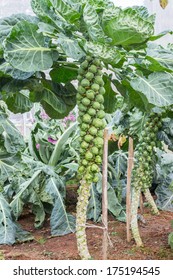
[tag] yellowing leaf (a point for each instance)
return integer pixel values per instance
(163, 3)
(121, 141)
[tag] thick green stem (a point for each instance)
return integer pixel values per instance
(84, 194)
(151, 202)
(134, 219)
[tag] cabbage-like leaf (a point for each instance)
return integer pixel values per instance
(7, 23)
(70, 46)
(126, 27)
(13, 140)
(66, 10)
(26, 49)
(7, 69)
(158, 88)
(61, 222)
(92, 22)
(158, 55)
(7, 228)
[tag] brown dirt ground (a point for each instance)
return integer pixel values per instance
(44, 247)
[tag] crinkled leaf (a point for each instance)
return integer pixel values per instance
(9, 166)
(26, 49)
(92, 22)
(136, 121)
(61, 222)
(158, 88)
(66, 10)
(7, 228)
(7, 23)
(126, 27)
(160, 56)
(109, 55)
(164, 194)
(71, 47)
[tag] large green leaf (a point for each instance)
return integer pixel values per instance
(158, 55)
(16, 97)
(63, 74)
(59, 145)
(70, 46)
(158, 88)
(66, 10)
(126, 27)
(92, 22)
(57, 99)
(7, 228)
(6, 68)
(26, 49)
(109, 55)
(9, 166)
(7, 23)
(61, 222)
(109, 97)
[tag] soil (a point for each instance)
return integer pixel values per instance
(154, 233)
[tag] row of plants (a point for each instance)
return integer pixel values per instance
(110, 52)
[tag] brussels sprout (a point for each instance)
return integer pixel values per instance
(102, 107)
(100, 133)
(99, 98)
(101, 114)
(79, 119)
(86, 101)
(88, 138)
(81, 90)
(86, 118)
(82, 133)
(84, 127)
(82, 108)
(79, 78)
(84, 162)
(78, 97)
(93, 131)
(82, 151)
(98, 159)
(85, 83)
(81, 71)
(98, 80)
(92, 69)
(89, 58)
(84, 145)
(92, 112)
(89, 76)
(84, 65)
(98, 123)
(98, 141)
(95, 150)
(95, 87)
(96, 62)
(94, 168)
(102, 90)
(96, 105)
(149, 148)
(81, 169)
(95, 179)
(90, 94)
(88, 155)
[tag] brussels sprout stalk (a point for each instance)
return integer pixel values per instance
(83, 198)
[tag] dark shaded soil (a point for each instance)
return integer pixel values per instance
(154, 234)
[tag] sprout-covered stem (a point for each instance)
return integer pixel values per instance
(84, 193)
(134, 215)
(151, 202)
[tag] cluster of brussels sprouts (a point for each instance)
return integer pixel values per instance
(143, 170)
(91, 118)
